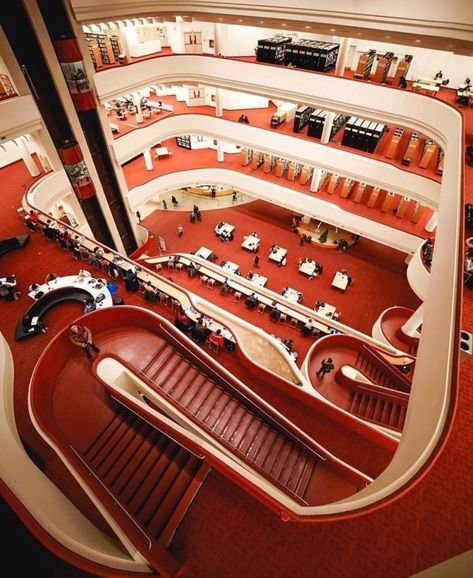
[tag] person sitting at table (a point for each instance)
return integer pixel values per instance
(89, 305)
(199, 332)
(275, 314)
(251, 301)
(283, 261)
(349, 279)
(149, 293)
(225, 288)
(308, 327)
(183, 322)
(217, 338)
(243, 118)
(318, 268)
(319, 305)
(131, 280)
(32, 220)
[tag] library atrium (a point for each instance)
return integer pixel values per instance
(255, 221)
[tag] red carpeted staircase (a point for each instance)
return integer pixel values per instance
(152, 477)
(369, 366)
(381, 408)
(235, 422)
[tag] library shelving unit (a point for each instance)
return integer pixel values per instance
(312, 54)
(411, 150)
(402, 69)
(382, 68)
(317, 121)
(6, 87)
(439, 169)
(306, 175)
(430, 149)
(393, 146)
(272, 50)
(363, 70)
(301, 118)
(184, 141)
(103, 49)
(363, 134)
(246, 156)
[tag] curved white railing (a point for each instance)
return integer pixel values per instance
(366, 169)
(55, 513)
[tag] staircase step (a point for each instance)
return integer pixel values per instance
(281, 459)
(163, 345)
(183, 393)
(186, 378)
(306, 477)
(136, 497)
(201, 396)
(289, 466)
(267, 461)
(172, 498)
(110, 441)
(238, 433)
(253, 437)
(218, 408)
(106, 431)
(224, 419)
(226, 430)
(297, 471)
(402, 416)
(167, 369)
(131, 438)
(262, 443)
(146, 509)
(138, 465)
(159, 360)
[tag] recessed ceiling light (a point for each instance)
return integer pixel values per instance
(387, 37)
(261, 22)
(220, 19)
(240, 19)
(283, 24)
(333, 29)
(418, 41)
(359, 33)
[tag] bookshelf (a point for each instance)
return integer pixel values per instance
(382, 68)
(365, 63)
(184, 141)
(402, 68)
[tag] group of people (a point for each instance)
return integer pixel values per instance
(222, 233)
(195, 215)
(198, 329)
(427, 252)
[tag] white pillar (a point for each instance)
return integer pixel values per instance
(315, 182)
(218, 102)
(342, 57)
(137, 103)
(220, 151)
(148, 159)
(432, 222)
(218, 39)
(328, 124)
(414, 322)
(27, 158)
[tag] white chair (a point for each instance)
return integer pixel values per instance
(237, 296)
(282, 319)
(261, 307)
(293, 323)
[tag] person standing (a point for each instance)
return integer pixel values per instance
(180, 231)
(165, 205)
(138, 216)
(174, 201)
(81, 336)
(256, 261)
(326, 367)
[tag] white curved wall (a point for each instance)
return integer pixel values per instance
(361, 168)
(19, 116)
(282, 196)
(418, 276)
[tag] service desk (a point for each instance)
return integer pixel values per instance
(96, 288)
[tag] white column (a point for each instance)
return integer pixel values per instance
(218, 39)
(327, 128)
(218, 102)
(432, 222)
(414, 322)
(342, 56)
(315, 182)
(220, 154)
(27, 158)
(148, 159)
(137, 103)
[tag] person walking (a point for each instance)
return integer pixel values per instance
(256, 261)
(326, 367)
(174, 201)
(81, 336)
(180, 230)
